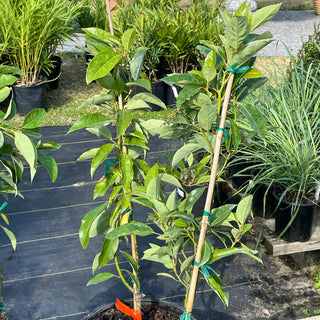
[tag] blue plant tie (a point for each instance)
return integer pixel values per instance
(108, 165)
(2, 307)
(186, 315)
(3, 205)
(226, 133)
(205, 270)
(130, 280)
(234, 69)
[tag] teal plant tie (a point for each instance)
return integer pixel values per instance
(234, 69)
(3, 205)
(2, 307)
(108, 165)
(226, 133)
(210, 215)
(186, 315)
(205, 270)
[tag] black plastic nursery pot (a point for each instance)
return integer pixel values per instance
(151, 310)
(301, 227)
(29, 98)
(240, 177)
(172, 92)
(55, 71)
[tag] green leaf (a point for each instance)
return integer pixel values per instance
(136, 104)
(168, 178)
(102, 35)
(152, 173)
(119, 86)
(214, 284)
(186, 94)
(89, 120)
(126, 166)
(180, 223)
(237, 31)
(11, 111)
(252, 73)
(89, 154)
(186, 263)
(164, 274)
(1, 139)
(184, 79)
(244, 209)
(221, 213)
(236, 135)
(149, 97)
(123, 122)
(209, 73)
(205, 253)
(98, 99)
(193, 197)
(4, 93)
(158, 254)
(102, 186)
(263, 15)
(86, 223)
(130, 259)
(34, 118)
(7, 80)
(184, 151)
(101, 64)
(49, 145)
(171, 202)
(207, 116)
(11, 237)
(108, 250)
(128, 38)
(144, 83)
(101, 277)
(50, 164)
(136, 63)
(28, 151)
(130, 228)
(101, 155)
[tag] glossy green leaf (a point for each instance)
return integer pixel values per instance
(133, 141)
(263, 15)
(7, 80)
(193, 197)
(108, 250)
(207, 116)
(11, 111)
(100, 277)
(205, 253)
(136, 63)
(237, 31)
(34, 118)
(1, 139)
(136, 105)
(187, 93)
(184, 151)
(102, 186)
(130, 259)
(128, 38)
(253, 73)
(101, 155)
(90, 120)
(213, 282)
(101, 64)
(11, 237)
(164, 274)
(126, 166)
(221, 213)
(102, 35)
(28, 151)
(4, 93)
(49, 145)
(186, 263)
(158, 254)
(170, 179)
(86, 223)
(209, 73)
(89, 154)
(130, 228)
(244, 209)
(123, 122)
(98, 99)
(184, 79)
(236, 135)
(50, 164)
(152, 173)
(149, 97)
(143, 83)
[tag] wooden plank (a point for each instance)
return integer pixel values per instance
(278, 247)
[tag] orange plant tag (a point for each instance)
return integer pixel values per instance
(128, 311)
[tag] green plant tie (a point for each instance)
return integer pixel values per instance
(3, 205)
(210, 215)
(205, 270)
(234, 69)
(226, 133)
(108, 165)
(2, 307)
(186, 315)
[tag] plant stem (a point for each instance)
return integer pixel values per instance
(121, 274)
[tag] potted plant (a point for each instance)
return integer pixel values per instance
(288, 152)
(17, 147)
(33, 30)
(125, 170)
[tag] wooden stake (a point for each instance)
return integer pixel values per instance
(205, 219)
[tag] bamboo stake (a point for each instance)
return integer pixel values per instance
(205, 219)
(136, 293)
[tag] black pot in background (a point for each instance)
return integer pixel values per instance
(29, 98)
(240, 177)
(157, 89)
(301, 227)
(172, 92)
(172, 308)
(260, 191)
(53, 78)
